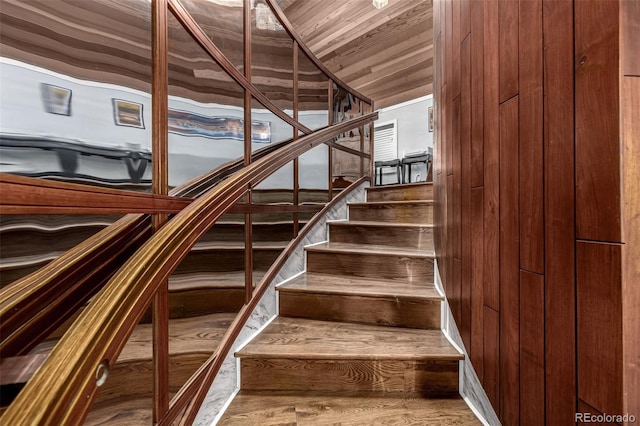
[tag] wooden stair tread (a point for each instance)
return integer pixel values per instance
(382, 224)
(310, 339)
(199, 334)
(296, 408)
(360, 286)
(370, 249)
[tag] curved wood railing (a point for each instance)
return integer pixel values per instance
(34, 306)
(63, 388)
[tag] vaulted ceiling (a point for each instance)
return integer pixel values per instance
(386, 54)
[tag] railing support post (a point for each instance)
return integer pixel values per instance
(160, 186)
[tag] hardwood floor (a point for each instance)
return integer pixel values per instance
(358, 339)
(295, 408)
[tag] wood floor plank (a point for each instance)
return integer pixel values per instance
(309, 339)
(361, 286)
(278, 408)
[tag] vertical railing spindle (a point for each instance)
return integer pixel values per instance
(160, 186)
(248, 223)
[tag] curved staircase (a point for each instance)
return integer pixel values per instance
(358, 339)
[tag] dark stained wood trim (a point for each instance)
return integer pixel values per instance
(600, 337)
(477, 273)
(597, 119)
(532, 367)
(274, 208)
(160, 186)
(205, 375)
(477, 93)
(289, 28)
(491, 367)
(508, 48)
(192, 27)
(531, 179)
(509, 263)
(24, 195)
(559, 182)
(491, 157)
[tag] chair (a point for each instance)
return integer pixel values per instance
(378, 170)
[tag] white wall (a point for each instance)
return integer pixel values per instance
(92, 123)
(413, 124)
(413, 132)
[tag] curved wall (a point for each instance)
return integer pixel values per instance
(536, 192)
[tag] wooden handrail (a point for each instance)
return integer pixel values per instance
(64, 387)
(203, 378)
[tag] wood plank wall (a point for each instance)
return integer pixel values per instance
(538, 200)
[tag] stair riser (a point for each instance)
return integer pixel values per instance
(418, 192)
(418, 238)
(371, 265)
(410, 213)
(427, 378)
(358, 309)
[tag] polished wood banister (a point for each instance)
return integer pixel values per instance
(63, 388)
(203, 378)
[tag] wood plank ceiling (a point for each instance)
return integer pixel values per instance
(386, 54)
